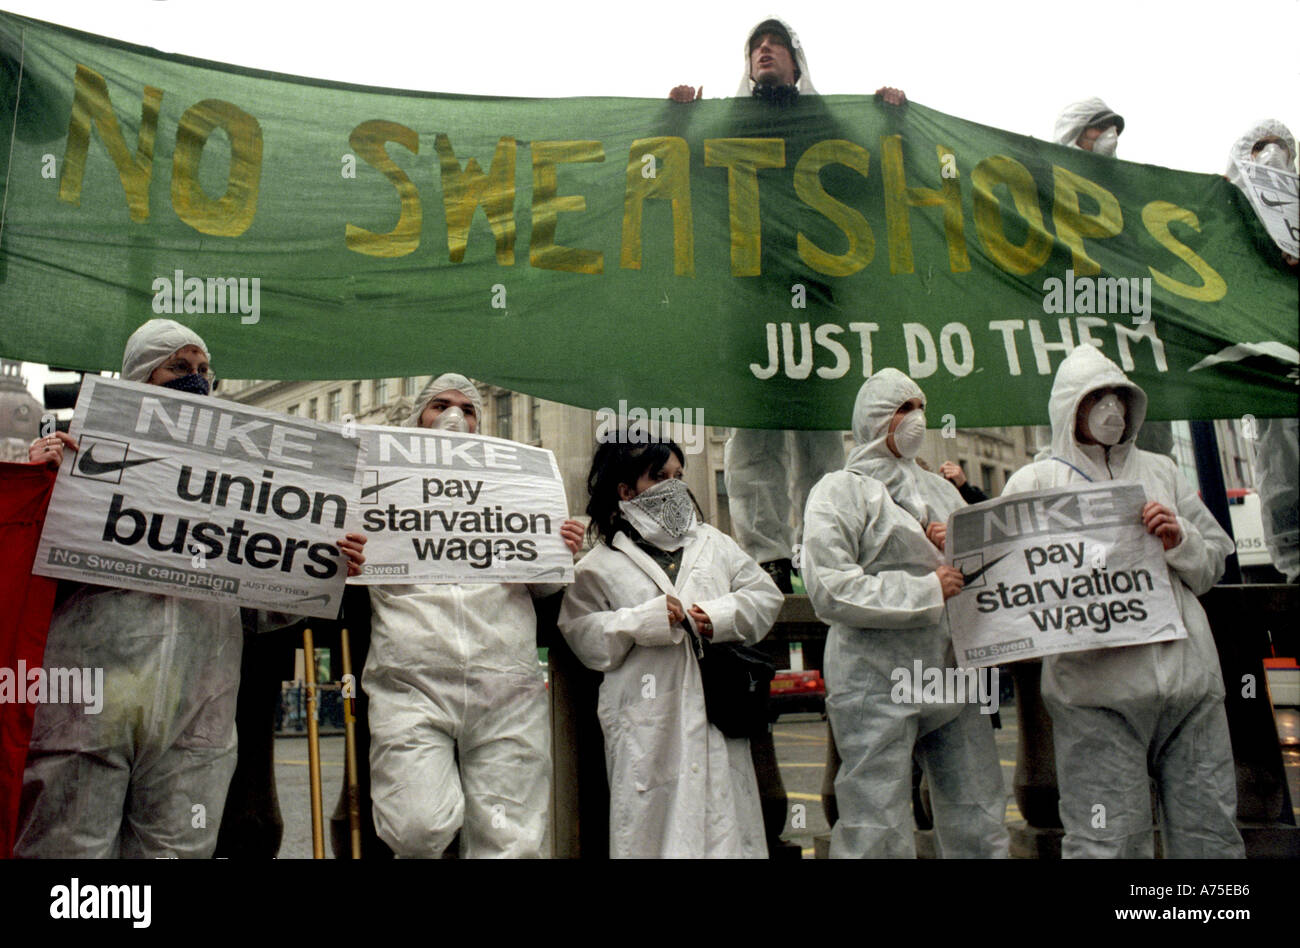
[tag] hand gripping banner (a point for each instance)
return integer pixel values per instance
(762, 259)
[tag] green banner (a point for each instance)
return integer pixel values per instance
(752, 260)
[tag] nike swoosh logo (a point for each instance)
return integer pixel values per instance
(87, 464)
(367, 491)
(965, 578)
(1282, 203)
(546, 573)
(322, 597)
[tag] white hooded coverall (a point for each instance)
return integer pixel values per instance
(1121, 714)
(870, 572)
(768, 473)
(125, 782)
(1075, 119)
(677, 786)
(1277, 447)
(452, 673)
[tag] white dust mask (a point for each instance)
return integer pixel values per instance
(909, 436)
(1273, 155)
(1106, 142)
(1106, 420)
(451, 419)
(664, 514)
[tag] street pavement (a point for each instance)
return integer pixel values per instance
(800, 741)
(291, 784)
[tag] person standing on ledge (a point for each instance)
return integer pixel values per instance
(768, 473)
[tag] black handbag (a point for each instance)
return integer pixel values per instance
(737, 686)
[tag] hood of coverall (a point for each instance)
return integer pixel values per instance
(1085, 370)
(1079, 115)
(1241, 149)
(153, 344)
(447, 382)
(803, 83)
(877, 401)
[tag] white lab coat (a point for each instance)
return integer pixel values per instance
(1117, 712)
(678, 787)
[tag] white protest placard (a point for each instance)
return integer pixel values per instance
(1058, 570)
(201, 498)
(445, 507)
(1275, 195)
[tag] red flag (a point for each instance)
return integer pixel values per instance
(24, 621)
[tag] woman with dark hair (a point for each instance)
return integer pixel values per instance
(678, 787)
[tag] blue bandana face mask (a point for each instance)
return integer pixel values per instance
(194, 384)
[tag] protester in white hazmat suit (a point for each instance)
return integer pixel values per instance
(769, 473)
(875, 574)
(1089, 125)
(460, 735)
(1121, 714)
(1267, 142)
(146, 776)
(1277, 444)
(678, 787)
(766, 66)
(1253, 145)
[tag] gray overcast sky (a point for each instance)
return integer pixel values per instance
(1187, 76)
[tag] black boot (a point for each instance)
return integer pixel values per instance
(780, 570)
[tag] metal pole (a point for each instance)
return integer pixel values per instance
(1209, 472)
(313, 750)
(352, 791)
